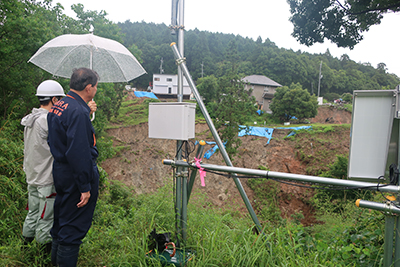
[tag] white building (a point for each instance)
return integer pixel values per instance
(166, 85)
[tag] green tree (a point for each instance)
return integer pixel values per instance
(293, 101)
(234, 106)
(208, 87)
(96, 22)
(341, 21)
(331, 96)
(25, 26)
(347, 97)
(209, 50)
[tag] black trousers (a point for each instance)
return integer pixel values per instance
(71, 223)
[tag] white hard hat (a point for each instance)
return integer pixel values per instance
(50, 88)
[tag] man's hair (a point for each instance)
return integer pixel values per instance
(82, 77)
(44, 100)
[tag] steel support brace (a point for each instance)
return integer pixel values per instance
(214, 132)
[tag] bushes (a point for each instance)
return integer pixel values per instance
(266, 200)
(13, 196)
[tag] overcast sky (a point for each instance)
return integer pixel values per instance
(252, 18)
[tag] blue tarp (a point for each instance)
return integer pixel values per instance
(212, 150)
(145, 94)
(257, 131)
(254, 131)
(295, 129)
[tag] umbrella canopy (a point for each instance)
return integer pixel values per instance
(110, 59)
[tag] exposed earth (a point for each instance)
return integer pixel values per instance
(139, 162)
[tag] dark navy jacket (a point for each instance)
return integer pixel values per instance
(72, 141)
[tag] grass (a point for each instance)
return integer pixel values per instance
(132, 112)
(123, 220)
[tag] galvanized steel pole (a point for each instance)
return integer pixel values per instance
(181, 181)
(386, 207)
(289, 176)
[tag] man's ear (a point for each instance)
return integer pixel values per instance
(88, 87)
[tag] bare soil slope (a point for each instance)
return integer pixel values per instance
(139, 162)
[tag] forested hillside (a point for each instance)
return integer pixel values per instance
(263, 57)
(124, 218)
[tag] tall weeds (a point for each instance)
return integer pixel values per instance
(12, 179)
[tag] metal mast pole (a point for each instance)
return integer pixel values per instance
(181, 4)
(183, 179)
(177, 27)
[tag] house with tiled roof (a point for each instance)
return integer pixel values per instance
(263, 89)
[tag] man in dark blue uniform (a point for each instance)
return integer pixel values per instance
(72, 143)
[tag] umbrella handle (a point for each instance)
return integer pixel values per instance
(93, 115)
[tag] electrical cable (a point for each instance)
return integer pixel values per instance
(393, 174)
(186, 150)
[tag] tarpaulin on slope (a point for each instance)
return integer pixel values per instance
(251, 130)
(212, 150)
(254, 131)
(295, 129)
(145, 94)
(257, 131)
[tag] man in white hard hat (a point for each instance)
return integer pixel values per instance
(38, 163)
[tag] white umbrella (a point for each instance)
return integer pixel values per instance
(110, 59)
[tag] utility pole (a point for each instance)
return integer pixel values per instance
(161, 68)
(202, 65)
(319, 77)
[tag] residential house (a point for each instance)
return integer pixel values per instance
(166, 86)
(263, 89)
